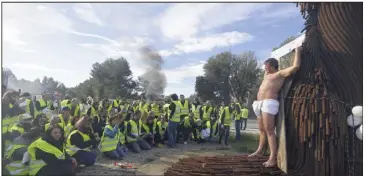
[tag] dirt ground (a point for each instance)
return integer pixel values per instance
(153, 162)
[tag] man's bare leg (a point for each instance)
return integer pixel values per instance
(262, 137)
(269, 127)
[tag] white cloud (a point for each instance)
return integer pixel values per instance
(39, 68)
(177, 75)
(208, 43)
(185, 20)
(86, 12)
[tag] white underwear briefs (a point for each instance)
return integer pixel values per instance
(269, 106)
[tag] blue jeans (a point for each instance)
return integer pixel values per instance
(120, 152)
(237, 129)
(172, 133)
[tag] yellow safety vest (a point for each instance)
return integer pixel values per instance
(67, 130)
(134, 130)
(115, 103)
(184, 107)
(109, 144)
(35, 165)
(176, 115)
(17, 128)
(166, 109)
(122, 135)
(144, 108)
(8, 122)
(227, 119)
(147, 129)
(196, 111)
(72, 149)
(66, 103)
(17, 168)
(162, 127)
(206, 113)
(135, 108)
(155, 109)
(187, 123)
(244, 113)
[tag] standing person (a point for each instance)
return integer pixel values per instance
(244, 117)
(174, 120)
(226, 118)
(266, 106)
(237, 117)
(48, 156)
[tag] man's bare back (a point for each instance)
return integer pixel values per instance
(270, 86)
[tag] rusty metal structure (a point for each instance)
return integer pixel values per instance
(323, 91)
(222, 166)
(321, 95)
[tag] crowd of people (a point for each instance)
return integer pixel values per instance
(55, 135)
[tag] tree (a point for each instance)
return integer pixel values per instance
(244, 75)
(204, 88)
(110, 79)
(286, 60)
(227, 75)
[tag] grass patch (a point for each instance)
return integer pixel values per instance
(248, 142)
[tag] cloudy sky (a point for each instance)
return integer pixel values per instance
(63, 40)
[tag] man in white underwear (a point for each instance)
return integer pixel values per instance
(266, 106)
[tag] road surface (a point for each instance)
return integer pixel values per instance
(252, 126)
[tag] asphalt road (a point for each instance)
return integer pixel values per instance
(251, 126)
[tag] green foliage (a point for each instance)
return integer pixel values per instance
(227, 75)
(109, 79)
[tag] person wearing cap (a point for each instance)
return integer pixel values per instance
(109, 143)
(81, 141)
(30, 106)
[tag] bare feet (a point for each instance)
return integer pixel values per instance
(254, 154)
(270, 163)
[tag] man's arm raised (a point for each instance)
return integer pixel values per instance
(296, 65)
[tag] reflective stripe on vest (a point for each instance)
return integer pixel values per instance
(17, 168)
(8, 122)
(197, 111)
(109, 144)
(72, 149)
